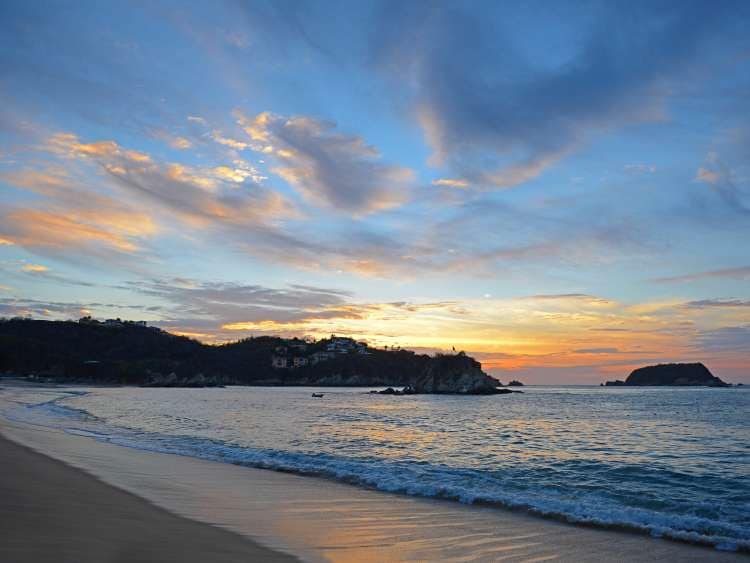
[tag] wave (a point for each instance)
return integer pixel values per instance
(467, 485)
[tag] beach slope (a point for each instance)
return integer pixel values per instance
(53, 512)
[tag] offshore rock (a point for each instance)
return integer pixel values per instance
(615, 383)
(172, 380)
(455, 374)
(675, 374)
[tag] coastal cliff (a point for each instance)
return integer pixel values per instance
(129, 353)
(688, 375)
(455, 374)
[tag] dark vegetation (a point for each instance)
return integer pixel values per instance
(671, 374)
(129, 353)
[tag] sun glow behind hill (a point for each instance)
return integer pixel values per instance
(563, 194)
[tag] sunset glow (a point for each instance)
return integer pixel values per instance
(407, 179)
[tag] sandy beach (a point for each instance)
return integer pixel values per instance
(53, 511)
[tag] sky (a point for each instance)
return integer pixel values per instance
(561, 189)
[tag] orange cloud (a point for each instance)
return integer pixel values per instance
(180, 143)
(197, 195)
(451, 183)
(538, 331)
(68, 144)
(226, 141)
(34, 268)
(47, 182)
(71, 228)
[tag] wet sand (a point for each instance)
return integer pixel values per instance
(311, 518)
(50, 511)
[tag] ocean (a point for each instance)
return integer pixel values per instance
(670, 462)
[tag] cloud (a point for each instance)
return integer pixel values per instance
(741, 273)
(223, 194)
(228, 142)
(567, 297)
(450, 183)
(596, 351)
(10, 307)
(726, 339)
(721, 179)
(500, 115)
(39, 271)
(640, 168)
(327, 167)
(68, 144)
(707, 176)
(73, 218)
(76, 228)
(180, 143)
(227, 200)
(59, 229)
(60, 310)
(34, 268)
(174, 141)
(510, 334)
(717, 303)
(201, 303)
(225, 310)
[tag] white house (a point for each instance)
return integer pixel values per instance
(279, 362)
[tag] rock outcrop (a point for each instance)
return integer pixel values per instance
(172, 380)
(454, 374)
(671, 374)
(515, 383)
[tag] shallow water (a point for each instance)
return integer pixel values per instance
(672, 462)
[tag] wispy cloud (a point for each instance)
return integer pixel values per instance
(212, 304)
(328, 167)
(41, 272)
(720, 177)
(228, 141)
(596, 351)
(640, 168)
(726, 339)
(66, 228)
(36, 268)
(741, 273)
(500, 120)
(717, 303)
(62, 310)
(72, 217)
(195, 193)
(451, 183)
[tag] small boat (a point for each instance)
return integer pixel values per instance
(317, 395)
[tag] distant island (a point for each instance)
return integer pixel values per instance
(132, 353)
(692, 375)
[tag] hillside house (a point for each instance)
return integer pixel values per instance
(279, 362)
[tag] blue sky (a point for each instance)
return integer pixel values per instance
(560, 189)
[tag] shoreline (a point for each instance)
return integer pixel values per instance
(318, 519)
(52, 511)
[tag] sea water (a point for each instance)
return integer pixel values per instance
(671, 462)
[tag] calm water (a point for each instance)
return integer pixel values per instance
(672, 462)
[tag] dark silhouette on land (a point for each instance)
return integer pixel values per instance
(122, 352)
(671, 374)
